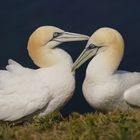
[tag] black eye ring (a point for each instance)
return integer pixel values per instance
(56, 34)
(92, 46)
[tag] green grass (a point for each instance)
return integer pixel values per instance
(91, 126)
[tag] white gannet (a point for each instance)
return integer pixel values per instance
(104, 87)
(26, 92)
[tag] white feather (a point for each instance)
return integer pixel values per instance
(24, 91)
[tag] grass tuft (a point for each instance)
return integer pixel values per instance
(91, 126)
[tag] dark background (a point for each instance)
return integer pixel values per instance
(19, 18)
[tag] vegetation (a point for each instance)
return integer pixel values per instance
(90, 126)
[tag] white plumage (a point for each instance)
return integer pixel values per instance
(27, 92)
(104, 87)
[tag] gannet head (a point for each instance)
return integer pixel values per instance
(104, 40)
(53, 36)
(45, 39)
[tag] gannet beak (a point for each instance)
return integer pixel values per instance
(87, 53)
(67, 37)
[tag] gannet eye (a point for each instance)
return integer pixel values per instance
(56, 34)
(92, 46)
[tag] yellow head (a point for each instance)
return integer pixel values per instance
(103, 41)
(43, 40)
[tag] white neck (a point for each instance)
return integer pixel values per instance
(47, 57)
(103, 65)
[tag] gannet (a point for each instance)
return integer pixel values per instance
(105, 88)
(27, 92)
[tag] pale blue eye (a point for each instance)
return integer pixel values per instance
(92, 46)
(56, 34)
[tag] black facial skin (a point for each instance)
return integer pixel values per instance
(56, 34)
(92, 46)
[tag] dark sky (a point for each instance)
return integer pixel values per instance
(19, 18)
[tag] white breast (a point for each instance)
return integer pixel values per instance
(109, 94)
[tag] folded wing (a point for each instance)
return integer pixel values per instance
(21, 92)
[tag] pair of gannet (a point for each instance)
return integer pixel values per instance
(104, 87)
(26, 92)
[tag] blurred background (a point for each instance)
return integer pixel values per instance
(19, 18)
